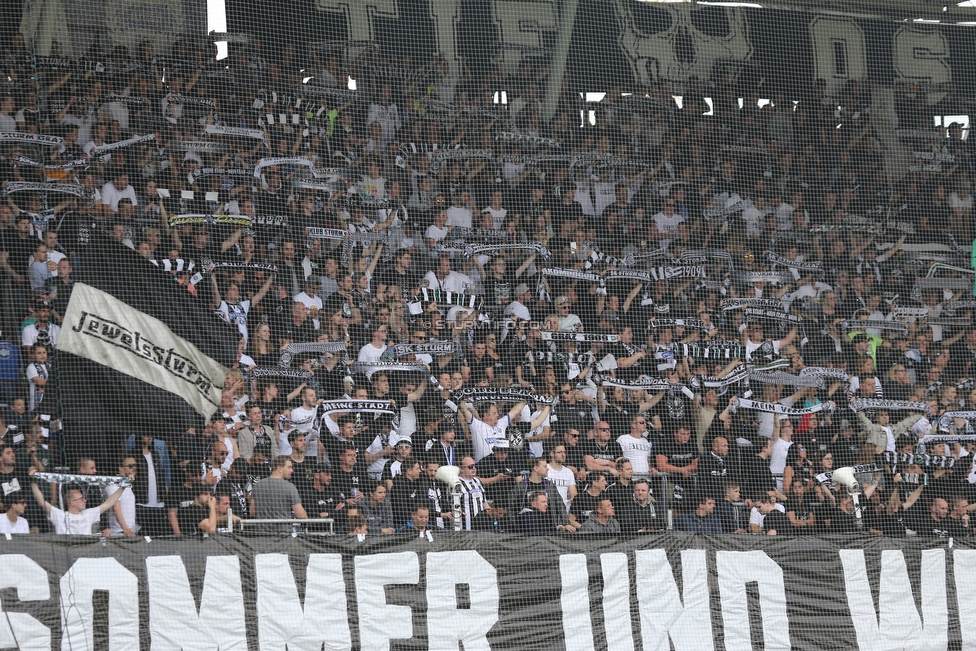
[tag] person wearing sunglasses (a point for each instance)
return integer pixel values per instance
(76, 517)
(122, 517)
(13, 520)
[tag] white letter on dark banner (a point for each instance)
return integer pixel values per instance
(281, 618)
(616, 602)
(446, 625)
(964, 570)
(380, 622)
(735, 570)
(77, 611)
(575, 600)
(174, 622)
(900, 626)
(662, 614)
(839, 52)
(359, 15)
(29, 579)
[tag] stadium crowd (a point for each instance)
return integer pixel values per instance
(676, 317)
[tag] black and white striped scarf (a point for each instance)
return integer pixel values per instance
(333, 347)
(775, 408)
(862, 404)
(813, 265)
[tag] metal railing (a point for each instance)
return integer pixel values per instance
(293, 521)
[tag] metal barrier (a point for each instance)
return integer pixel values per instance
(306, 521)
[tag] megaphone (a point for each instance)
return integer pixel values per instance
(448, 474)
(845, 477)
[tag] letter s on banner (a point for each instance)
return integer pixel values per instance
(901, 627)
(922, 55)
(446, 625)
(175, 623)
(380, 622)
(662, 613)
(29, 579)
(77, 610)
(735, 569)
(281, 619)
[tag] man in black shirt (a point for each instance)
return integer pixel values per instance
(574, 453)
(679, 458)
(496, 471)
(190, 514)
(407, 490)
(932, 524)
(350, 477)
(587, 501)
(713, 470)
(321, 498)
(399, 275)
(756, 475)
(637, 514)
(572, 413)
(598, 454)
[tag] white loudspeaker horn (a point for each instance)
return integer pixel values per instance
(448, 474)
(844, 477)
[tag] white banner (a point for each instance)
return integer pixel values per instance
(99, 327)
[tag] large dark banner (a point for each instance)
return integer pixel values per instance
(680, 591)
(599, 44)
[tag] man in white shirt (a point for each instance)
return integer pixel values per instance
(304, 418)
(438, 230)
(561, 475)
(635, 446)
(117, 189)
(485, 432)
(666, 222)
(12, 521)
(495, 209)
(310, 299)
(371, 352)
(443, 277)
(462, 209)
(122, 517)
(75, 519)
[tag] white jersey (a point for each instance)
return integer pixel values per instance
(635, 450)
(78, 524)
(236, 314)
(483, 437)
(562, 480)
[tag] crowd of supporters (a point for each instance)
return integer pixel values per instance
(674, 318)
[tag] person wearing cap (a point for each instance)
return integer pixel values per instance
(392, 468)
(320, 498)
(517, 309)
(13, 520)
